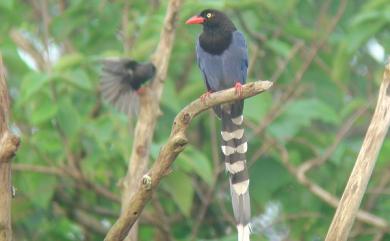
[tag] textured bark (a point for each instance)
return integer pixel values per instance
(357, 184)
(8, 146)
(150, 111)
(174, 145)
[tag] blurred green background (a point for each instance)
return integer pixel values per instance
(325, 57)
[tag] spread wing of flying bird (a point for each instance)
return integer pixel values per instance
(121, 81)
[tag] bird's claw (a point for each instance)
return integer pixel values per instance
(238, 87)
(141, 90)
(205, 96)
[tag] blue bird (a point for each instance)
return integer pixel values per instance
(222, 57)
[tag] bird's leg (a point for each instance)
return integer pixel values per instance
(205, 96)
(141, 90)
(238, 87)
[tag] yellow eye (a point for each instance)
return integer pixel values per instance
(208, 15)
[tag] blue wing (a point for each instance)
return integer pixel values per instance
(223, 71)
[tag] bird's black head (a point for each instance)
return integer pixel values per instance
(130, 64)
(217, 30)
(140, 72)
(145, 71)
(212, 19)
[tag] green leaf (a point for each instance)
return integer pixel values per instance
(360, 31)
(373, 10)
(155, 150)
(32, 83)
(146, 232)
(79, 78)
(7, 4)
(179, 185)
(39, 188)
(102, 129)
(257, 106)
(375, 4)
(63, 229)
(227, 238)
(192, 160)
(312, 109)
(383, 155)
(192, 91)
(280, 47)
(68, 117)
(47, 140)
(359, 34)
(44, 110)
(298, 30)
(69, 61)
(169, 98)
(275, 175)
(340, 65)
(352, 106)
(300, 114)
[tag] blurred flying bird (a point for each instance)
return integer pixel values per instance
(122, 80)
(223, 60)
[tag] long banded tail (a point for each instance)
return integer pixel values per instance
(234, 147)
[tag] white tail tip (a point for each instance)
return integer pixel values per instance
(243, 232)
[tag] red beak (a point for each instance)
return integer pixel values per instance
(195, 20)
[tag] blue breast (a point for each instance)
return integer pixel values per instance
(223, 71)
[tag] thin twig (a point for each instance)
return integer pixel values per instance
(325, 196)
(320, 159)
(261, 38)
(282, 67)
(70, 173)
(38, 169)
(90, 185)
(275, 111)
(162, 220)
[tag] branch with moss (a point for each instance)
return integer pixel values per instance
(174, 145)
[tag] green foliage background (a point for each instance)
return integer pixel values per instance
(56, 108)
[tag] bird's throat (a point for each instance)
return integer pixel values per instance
(215, 42)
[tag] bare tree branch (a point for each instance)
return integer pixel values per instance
(150, 109)
(174, 145)
(66, 171)
(50, 170)
(8, 146)
(357, 184)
